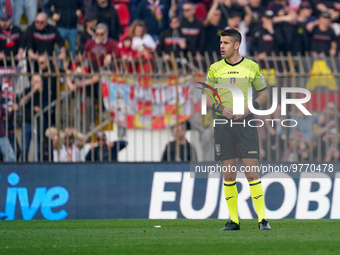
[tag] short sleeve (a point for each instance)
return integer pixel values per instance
(211, 79)
(259, 83)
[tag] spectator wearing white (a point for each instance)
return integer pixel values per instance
(141, 40)
(70, 149)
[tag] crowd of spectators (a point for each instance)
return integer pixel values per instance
(165, 26)
(316, 137)
(132, 29)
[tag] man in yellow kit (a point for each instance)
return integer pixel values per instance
(236, 140)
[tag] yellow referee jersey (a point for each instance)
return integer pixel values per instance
(243, 74)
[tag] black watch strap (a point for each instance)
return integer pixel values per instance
(218, 108)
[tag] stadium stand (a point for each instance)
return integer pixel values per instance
(138, 97)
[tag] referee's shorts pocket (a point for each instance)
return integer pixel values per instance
(225, 142)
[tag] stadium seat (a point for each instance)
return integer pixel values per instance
(123, 14)
(201, 11)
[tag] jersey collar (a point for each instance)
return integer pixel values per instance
(225, 60)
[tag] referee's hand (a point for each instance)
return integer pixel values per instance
(228, 112)
(242, 116)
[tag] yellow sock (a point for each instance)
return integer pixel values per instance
(231, 194)
(256, 192)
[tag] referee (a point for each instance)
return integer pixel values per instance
(237, 140)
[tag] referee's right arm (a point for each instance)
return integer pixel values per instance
(215, 106)
(227, 112)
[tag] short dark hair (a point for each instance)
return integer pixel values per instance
(234, 33)
(174, 17)
(182, 125)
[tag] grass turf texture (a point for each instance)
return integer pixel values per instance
(174, 237)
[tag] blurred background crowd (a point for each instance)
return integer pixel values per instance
(87, 36)
(138, 26)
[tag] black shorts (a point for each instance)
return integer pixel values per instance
(236, 140)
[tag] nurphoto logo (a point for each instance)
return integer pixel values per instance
(238, 103)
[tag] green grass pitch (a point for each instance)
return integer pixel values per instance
(174, 237)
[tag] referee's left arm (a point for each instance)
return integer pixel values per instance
(263, 97)
(260, 100)
(260, 86)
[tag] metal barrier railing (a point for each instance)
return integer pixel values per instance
(74, 98)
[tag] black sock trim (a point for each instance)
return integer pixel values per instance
(230, 184)
(254, 183)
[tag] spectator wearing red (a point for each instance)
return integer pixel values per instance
(125, 47)
(126, 51)
(11, 40)
(101, 46)
(42, 37)
(323, 35)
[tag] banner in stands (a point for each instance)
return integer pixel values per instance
(156, 191)
(147, 102)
